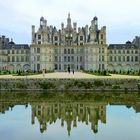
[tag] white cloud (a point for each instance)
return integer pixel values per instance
(121, 17)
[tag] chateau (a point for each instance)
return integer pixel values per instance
(71, 47)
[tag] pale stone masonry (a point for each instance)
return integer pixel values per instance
(71, 47)
(14, 57)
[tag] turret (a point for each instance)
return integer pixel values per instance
(33, 33)
(94, 23)
(75, 26)
(62, 26)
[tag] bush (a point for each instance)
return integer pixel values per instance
(115, 86)
(98, 83)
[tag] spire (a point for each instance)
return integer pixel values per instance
(69, 15)
(69, 21)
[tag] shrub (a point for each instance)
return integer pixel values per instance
(115, 86)
(46, 85)
(98, 83)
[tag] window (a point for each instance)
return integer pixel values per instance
(136, 51)
(39, 37)
(55, 38)
(119, 58)
(136, 58)
(68, 58)
(102, 36)
(8, 58)
(22, 58)
(17, 58)
(80, 58)
(65, 51)
(65, 59)
(59, 58)
(131, 58)
(119, 51)
(72, 51)
(56, 44)
(38, 67)
(55, 66)
(102, 58)
(68, 51)
(8, 51)
(13, 59)
(81, 38)
(13, 51)
(110, 58)
(39, 42)
(59, 66)
(115, 58)
(38, 50)
(22, 51)
(72, 58)
(81, 44)
(128, 59)
(55, 58)
(101, 42)
(102, 66)
(99, 50)
(38, 58)
(102, 50)
(124, 58)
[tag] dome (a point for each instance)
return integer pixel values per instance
(95, 18)
(128, 42)
(42, 18)
(11, 42)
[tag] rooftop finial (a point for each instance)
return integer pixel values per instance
(69, 15)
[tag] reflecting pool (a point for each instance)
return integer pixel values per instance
(69, 116)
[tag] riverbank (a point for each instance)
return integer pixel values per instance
(89, 84)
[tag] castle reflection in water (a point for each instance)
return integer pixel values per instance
(69, 112)
(89, 110)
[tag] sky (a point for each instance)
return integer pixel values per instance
(121, 17)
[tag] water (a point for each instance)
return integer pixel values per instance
(67, 116)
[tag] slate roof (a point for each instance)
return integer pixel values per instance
(16, 46)
(121, 46)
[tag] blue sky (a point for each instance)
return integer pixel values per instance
(121, 17)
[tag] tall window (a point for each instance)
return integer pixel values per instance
(13, 59)
(72, 51)
(39, 37)
(102, 58)
(80, 58)
(68, 51)
(123, 58)
(38, 50)
(110, 58)
(65, 59)
(102, 36)
(136, 58)
(55, 38)
(128, 59)
(131, 58)
(119, 58)
(13, 51)
(81, 38)
(65, 51)
(68, 58)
